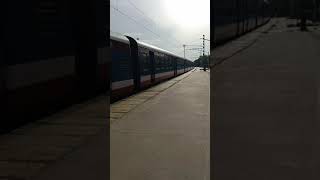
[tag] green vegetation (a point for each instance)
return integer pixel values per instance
(201, 61)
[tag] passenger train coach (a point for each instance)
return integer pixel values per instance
(137, 65)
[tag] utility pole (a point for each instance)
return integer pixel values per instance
(204, 66)
(184, 51)
(203, 50)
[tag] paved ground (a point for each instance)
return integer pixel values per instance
(58, 140)
(74, 143)
(167, 137)
(91, 161)
(265, 108)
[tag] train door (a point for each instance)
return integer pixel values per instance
(152, 66)
(135, 63)
(175, 66)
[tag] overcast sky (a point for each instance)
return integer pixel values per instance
(167, 24)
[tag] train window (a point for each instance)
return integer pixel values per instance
(156, 59)
(141, 59)
(166, 64)
(167, 60)
(172, 63)
(163, 63)
(146, 59)
(145, 62)
(158, 63)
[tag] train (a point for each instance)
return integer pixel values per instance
(57, 53)
(52, 54)
(137, 65)
(233, 18)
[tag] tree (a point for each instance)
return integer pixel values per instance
(202, 61)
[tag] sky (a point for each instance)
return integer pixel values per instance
(167, 24)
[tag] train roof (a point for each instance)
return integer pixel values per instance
(122, 39)
(149, 46)
(145, 45)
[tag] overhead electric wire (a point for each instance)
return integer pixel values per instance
(124, 14)
(195, 49)
(140, 11)
(144, 14)
(190, 42)
(194, 45)
(146, 28)
(137, 22)
(147, 17)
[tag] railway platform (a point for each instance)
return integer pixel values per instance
(73, 143)
(160, 133)
(265, 107)
(167, 136)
